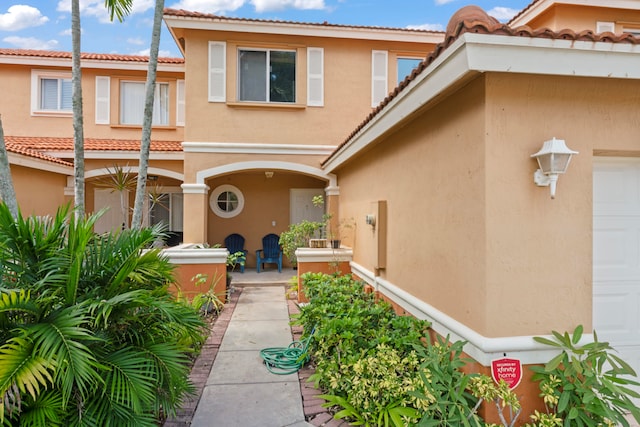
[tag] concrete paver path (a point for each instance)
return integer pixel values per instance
(240, 391)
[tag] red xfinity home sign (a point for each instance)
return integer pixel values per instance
(509, 370)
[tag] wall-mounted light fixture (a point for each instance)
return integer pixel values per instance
(370, 219)
(553, 160)
(268, 174)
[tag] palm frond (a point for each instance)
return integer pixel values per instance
(22, 369)
(63, 337)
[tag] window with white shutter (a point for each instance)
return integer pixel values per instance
(217, 64)
(379, 72)
(315, 77)
(103, 88)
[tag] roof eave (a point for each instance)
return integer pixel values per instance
(538, 7)
(299, 29)
(40, 61)
(40, 164)
(480, 53)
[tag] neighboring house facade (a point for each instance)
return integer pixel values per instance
(38, 127)
(262, 115)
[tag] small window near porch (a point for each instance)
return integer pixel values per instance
(226, 201)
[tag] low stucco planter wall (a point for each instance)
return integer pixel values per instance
(192, 259)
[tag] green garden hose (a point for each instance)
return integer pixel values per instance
(286, 360)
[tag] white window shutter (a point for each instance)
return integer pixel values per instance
(315, 77)
(103, 89)
(605, 27)
(180, 105)
(379, 85)
(217, 65)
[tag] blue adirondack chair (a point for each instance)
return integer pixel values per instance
(270, 252)
(235, 243)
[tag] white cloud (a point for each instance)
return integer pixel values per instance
(209, 6)
(271, 5)
(503, 13)
(97, 9)
(426, 27)
(137, 41)
(441, 2)
(21, 16)
(31, 43)
(145, 52)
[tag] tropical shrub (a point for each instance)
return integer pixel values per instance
(89, 333)
(585, 385)
(364, 353)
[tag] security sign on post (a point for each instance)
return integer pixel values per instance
(509, 370)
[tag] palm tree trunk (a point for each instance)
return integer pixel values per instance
(78, 127)
(147, 120)
(7, 192)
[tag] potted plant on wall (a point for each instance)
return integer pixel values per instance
(298, 236)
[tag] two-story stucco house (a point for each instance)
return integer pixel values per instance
(435, 170)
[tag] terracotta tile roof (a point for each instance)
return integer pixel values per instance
(487, 26)
(93, 56)
(17, 148)
(208, 16)
(92, 144)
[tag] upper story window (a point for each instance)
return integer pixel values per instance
(132, 96)
(50, 92)
(267, 76)
(405, 66)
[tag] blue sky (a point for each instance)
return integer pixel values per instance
(45, 24)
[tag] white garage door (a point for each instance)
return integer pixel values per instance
(616, 255)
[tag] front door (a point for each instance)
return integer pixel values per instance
(302, 207)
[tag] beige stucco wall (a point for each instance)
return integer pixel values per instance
(347, 74)
(468, 231)
(266, 201)
(15, 85)
(580, 17)
(38, 192)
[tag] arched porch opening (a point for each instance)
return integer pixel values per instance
(256, 198)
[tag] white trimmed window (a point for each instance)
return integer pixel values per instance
(267, 75)
(226, 201)
(50, 92)
(132, 96)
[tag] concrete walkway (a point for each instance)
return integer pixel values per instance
(240, 391)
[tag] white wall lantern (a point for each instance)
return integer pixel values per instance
(553, 160)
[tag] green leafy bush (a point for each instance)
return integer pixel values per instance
(585, 385)
(89, 333)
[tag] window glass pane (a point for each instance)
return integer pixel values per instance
(253, 75)
(227, 201)
(405, 66)
(159, 212)
(176, 211)
(282, 77)
(49, 94)
(161, 105)
(65, 95)
(131, 103)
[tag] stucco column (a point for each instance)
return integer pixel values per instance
(332, 202)
(195, 211)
